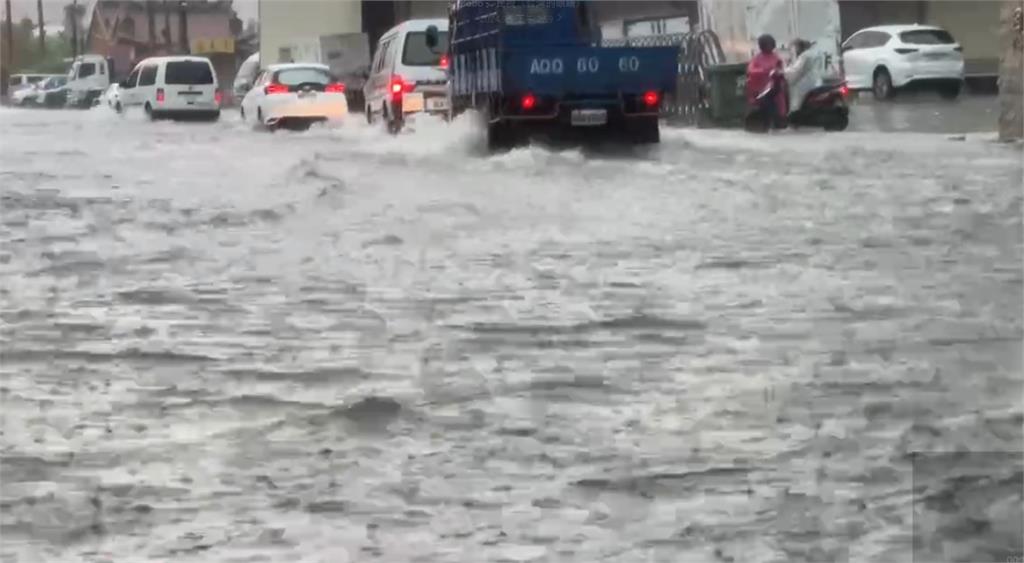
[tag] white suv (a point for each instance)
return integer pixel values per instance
(888, 57)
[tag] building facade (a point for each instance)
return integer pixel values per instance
(128, 31)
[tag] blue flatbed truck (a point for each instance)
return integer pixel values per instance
(535, 65)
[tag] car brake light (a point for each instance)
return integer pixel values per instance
(651, 98)
(336, 88)
(275, 88)
(844, 90)
(218, 96)
(905, 51)
(443, 63)
(398, 85)
(159, 95)
(528, 102)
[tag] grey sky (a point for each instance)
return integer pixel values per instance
(53, 10)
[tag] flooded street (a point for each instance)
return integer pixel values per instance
(338, 346)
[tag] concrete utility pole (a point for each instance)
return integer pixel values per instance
(8, 52)
(74, 28)
(167, 26)
(183, 26)
(1011, 71)
(42, 28)
(151, 24)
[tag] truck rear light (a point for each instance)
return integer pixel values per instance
(651, 98)
(275, 88)
(528, 102)
(335, 88)
(905, 51)
(159, 95)
(218, 96)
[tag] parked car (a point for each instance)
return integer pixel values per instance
(406, 76)
(173, 87)
(18, 82)
(886, 58)
(24, 96)
(247, 73)
(88, 77)
(295, 94)
(51, 93)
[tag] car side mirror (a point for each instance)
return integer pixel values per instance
(433, 38)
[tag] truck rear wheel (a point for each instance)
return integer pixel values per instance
(499, 136)
(644, 130)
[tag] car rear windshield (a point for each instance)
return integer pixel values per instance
(927, 37)
(416, 52)
(297, 76)
(188, 72)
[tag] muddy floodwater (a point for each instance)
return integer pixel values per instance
(218, 344)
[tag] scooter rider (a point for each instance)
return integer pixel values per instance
(765, 67)
(803, 73)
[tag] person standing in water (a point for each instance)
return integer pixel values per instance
(763, 68)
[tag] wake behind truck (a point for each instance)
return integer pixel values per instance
(534, 65)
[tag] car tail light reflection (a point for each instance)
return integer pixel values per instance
(651, 98)
(335, 88)
(528, 102)
(159, 95)
(275, 88)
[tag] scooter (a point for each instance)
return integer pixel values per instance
(824, 106)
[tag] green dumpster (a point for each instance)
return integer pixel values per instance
(728, 84)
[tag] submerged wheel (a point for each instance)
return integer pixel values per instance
(392, 123)
(950, 91)
(149, 112)
(644, 130)
(881, 86)
(837, 122)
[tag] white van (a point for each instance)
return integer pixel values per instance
(406, 75)
(88, 78)
(173, 87)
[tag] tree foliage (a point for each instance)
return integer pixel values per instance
(27, 56)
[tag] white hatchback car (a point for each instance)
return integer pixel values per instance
(888, 57)
(295, 95)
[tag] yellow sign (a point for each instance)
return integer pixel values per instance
(209, 46)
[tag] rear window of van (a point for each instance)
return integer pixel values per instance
(190, 73)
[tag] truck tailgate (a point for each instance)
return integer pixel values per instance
(599, 71)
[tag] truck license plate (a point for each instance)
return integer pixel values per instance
(589, 117)
(437, 104)
(412, 102)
